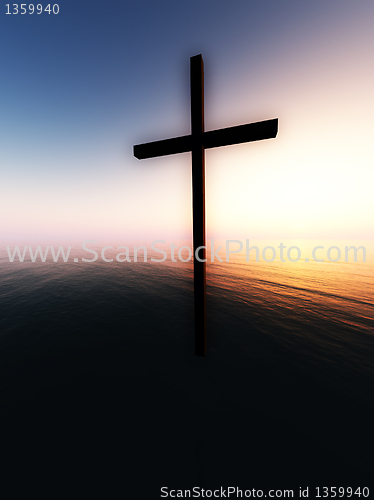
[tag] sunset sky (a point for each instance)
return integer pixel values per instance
(80, 88)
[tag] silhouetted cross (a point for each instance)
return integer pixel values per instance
(197, 142)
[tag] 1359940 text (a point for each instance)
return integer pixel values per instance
(31, 8)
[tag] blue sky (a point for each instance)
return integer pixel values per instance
(80, 88)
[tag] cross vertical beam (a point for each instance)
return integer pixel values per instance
(198, 200)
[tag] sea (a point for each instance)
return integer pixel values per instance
(101, 392)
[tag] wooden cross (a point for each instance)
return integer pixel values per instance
(197, 142)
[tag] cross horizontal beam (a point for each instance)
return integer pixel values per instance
(250, 132)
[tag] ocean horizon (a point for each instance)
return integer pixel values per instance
(290, 350)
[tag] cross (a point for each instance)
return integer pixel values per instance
(197, 142)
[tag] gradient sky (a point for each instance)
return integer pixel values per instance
(80, 88)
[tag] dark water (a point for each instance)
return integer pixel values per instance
(101, 391)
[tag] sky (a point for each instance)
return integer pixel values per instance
(81, 87)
